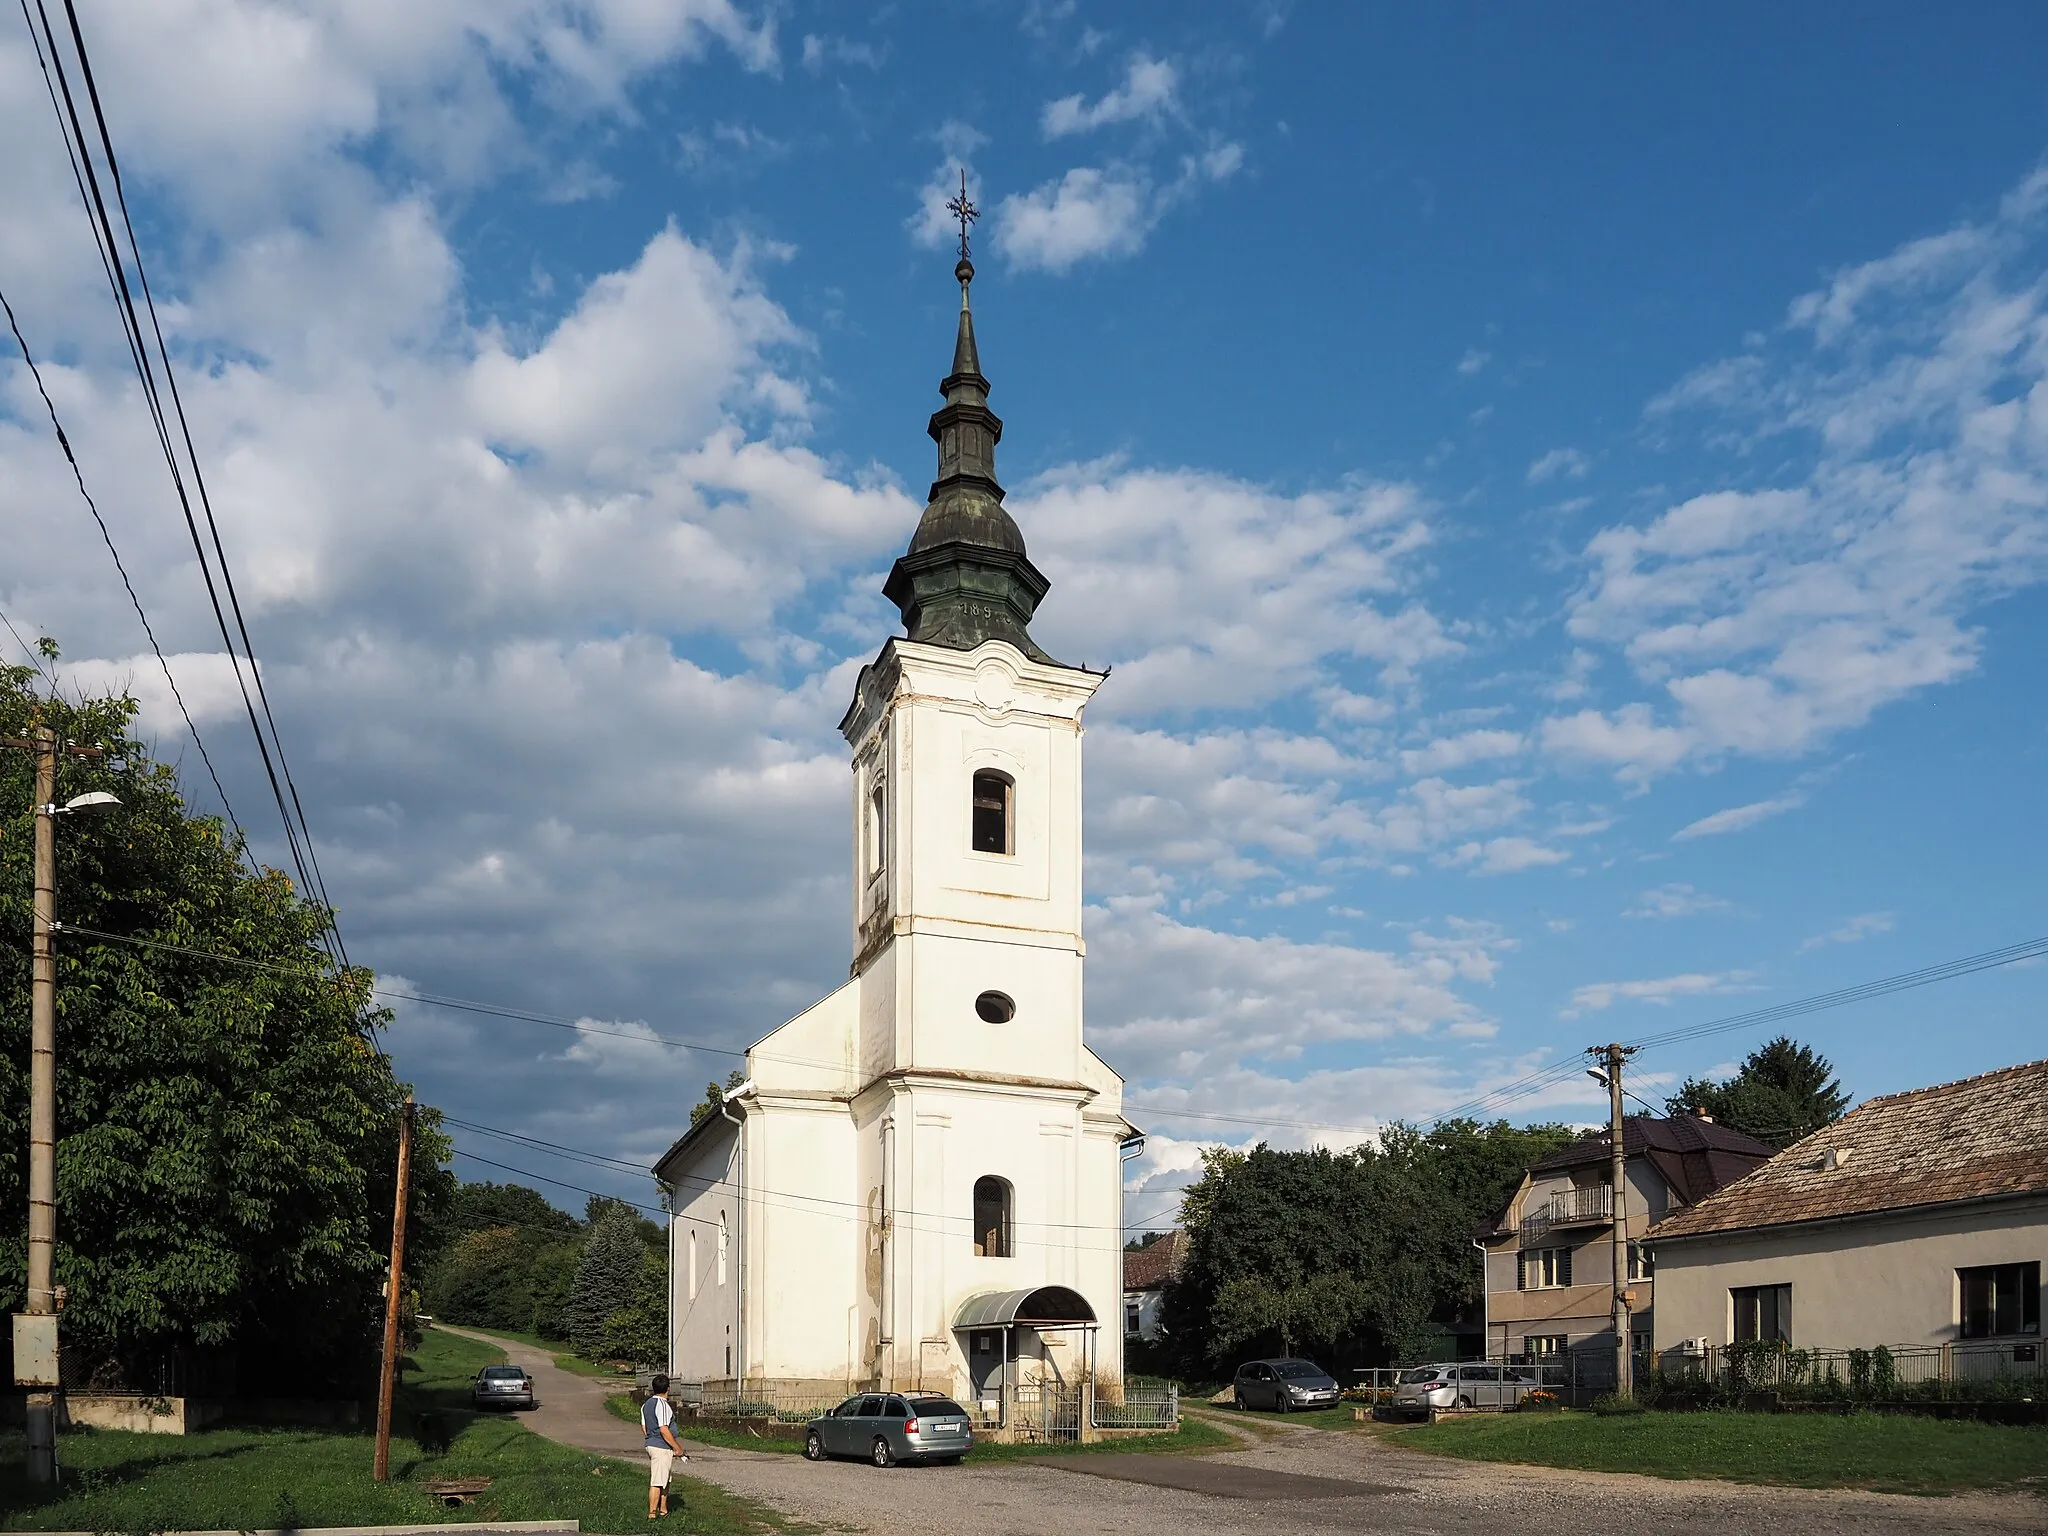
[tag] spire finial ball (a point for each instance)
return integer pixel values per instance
(964, 272)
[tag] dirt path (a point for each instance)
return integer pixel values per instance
(571, 1408)
(1282, 1480)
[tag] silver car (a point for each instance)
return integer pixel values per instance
(502, 1386)
(891, 1427)
(1470, 1384)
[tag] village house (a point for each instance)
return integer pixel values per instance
(1549, 1254)
(1917, 1219)
(919, 1183)
(1148, 1271)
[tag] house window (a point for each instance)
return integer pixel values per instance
(1641, 1263)
(1544, 1346)
(992, 813)
(2001, 1298)
(992, 1217)
(693, 1263)
(1133, 1319)
(878, 828)
(1762, 1312)
(995, 1008)
(1543, 1269)
(721, 1247)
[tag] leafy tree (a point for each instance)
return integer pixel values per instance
(1365, 1255)
(638, 1331)
(477, 1205)
(483, 1281)
(606, 1277)
(1143, 1241)
(714, 1096)
(227, 1133)
(1783, 1091)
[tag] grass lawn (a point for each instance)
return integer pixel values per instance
(242, 1479)
(1193, 1435)
(1891, 1453)
(565, 1360)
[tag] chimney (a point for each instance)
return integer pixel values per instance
(1701, 1114)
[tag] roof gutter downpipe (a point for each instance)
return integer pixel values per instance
(740, 1225)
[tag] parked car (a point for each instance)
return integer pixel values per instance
(1284, 1385)
(892, 1427)
(502, 1386)
(1471, 1384)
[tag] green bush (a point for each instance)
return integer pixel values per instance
(1611, 1405)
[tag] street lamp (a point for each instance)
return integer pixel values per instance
(35, 1328)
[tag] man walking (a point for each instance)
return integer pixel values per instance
(658, 1419)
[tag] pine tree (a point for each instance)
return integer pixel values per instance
(606, 1277)
(1784, 1091)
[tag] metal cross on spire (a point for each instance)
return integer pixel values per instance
(964, 211)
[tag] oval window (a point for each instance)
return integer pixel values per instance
(995, 1008)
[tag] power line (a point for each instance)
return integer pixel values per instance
(296, 831)
(107, 537)
(35, 657)
(1556, 1072)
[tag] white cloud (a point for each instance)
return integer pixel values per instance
(1088, 212)
(1659, 991)
(1473, 361)
(1452, 752)
(1567, 462)
(1506, 855)
(1675, 900)
(1853, 931)
(1737, 817)
(1146, 93)
(1772, 619)
(933, 224)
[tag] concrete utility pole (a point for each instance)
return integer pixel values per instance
(1611, 1058)
(381, 1468)
(35, 1328)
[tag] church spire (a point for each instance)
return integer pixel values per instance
(966, 578)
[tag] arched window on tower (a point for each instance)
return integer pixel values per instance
(992, 796)
(991, 1217)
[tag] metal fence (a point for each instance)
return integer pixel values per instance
(1046, 1410)
(1905, 1372)
(1145, 1405)
(784, 1402)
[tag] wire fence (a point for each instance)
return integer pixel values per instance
(1958, 1372)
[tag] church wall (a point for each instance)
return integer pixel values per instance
(704, 1317)
(942, 977)
(806, 1226)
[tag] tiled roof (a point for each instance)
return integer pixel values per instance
(1694, 1156)
(1148, 1269)
(1969, 1140)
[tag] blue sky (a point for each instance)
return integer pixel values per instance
(1564, 493)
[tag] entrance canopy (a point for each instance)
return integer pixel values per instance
(1046, 1306)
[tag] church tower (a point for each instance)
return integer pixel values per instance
(922, 1175)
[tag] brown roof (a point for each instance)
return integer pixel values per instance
(1694, 1156)
(1975, 1139)
(1148, 1269)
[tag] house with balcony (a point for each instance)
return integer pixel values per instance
(1918, 1221)
(1549, 1253)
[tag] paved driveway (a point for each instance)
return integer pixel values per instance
(1284, 1482)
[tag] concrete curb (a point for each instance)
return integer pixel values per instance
(481, 1528)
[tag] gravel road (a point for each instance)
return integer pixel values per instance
(1283, 1481)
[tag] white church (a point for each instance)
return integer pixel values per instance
(918, 1186)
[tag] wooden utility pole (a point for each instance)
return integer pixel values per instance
(381, 1470)
(35, 1328)
(1611, 1058)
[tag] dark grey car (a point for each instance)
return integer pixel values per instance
(891, 1427)
(1284, 1385)
(502, 1386)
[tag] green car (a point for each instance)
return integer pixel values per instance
(891, 1427)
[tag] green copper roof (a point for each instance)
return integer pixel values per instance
(966, 577)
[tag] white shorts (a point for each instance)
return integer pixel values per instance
(659, 1460)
